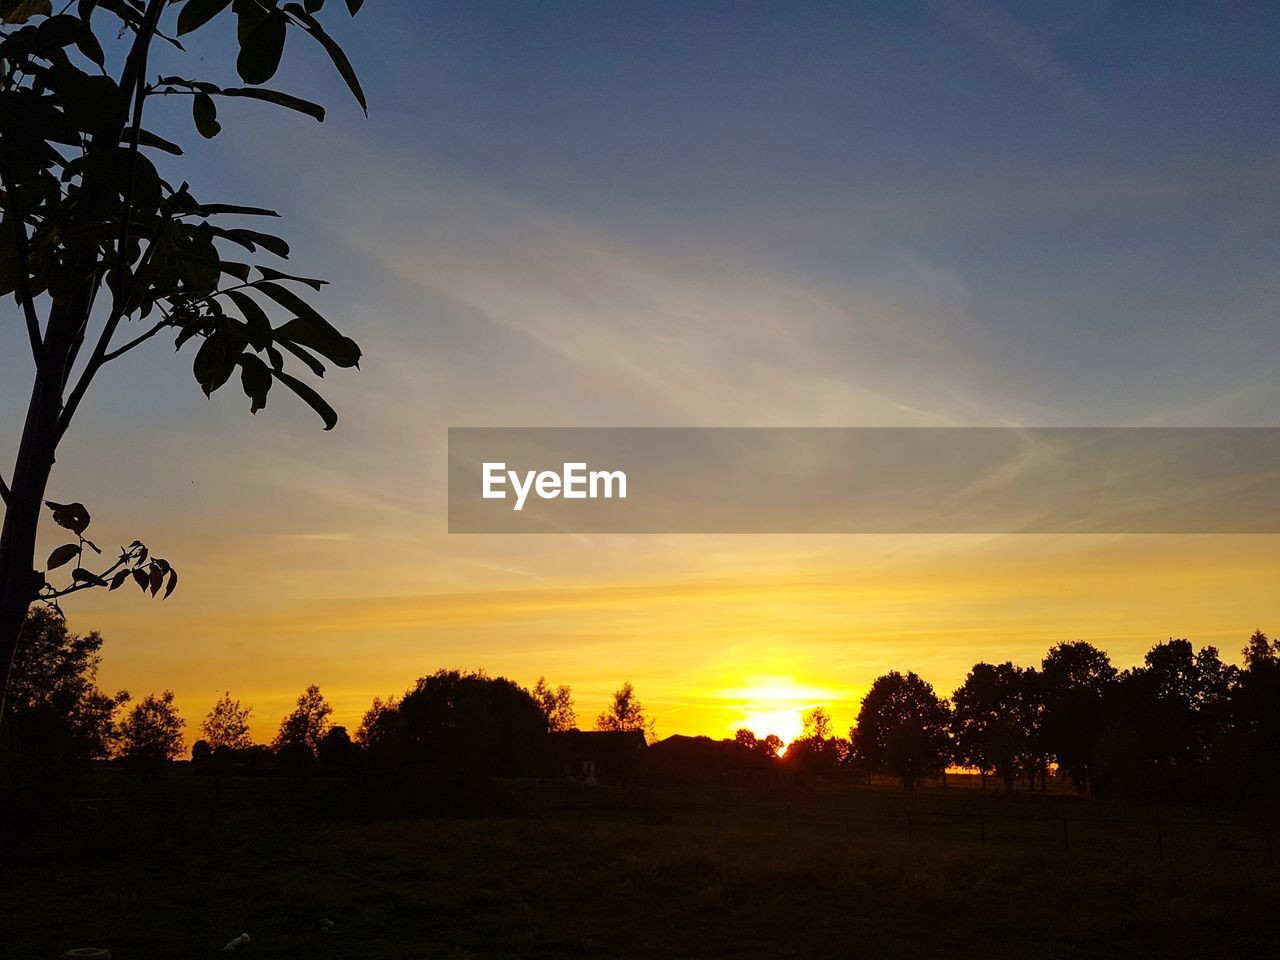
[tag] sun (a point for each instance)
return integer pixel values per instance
(769, 704)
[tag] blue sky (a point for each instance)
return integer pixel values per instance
(953, 212)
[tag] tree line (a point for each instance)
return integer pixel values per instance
(1182, 721)
(450, 720)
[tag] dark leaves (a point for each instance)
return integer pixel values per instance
(312, 399)
(255, 377)
(214, 362)
(205, 113)
(340, 61)
(62, 555)
(81, 575)
(71, 516)
(278, 98)
(311, 330)
(261, 47)
(196, 13)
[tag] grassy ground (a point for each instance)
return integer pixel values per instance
(175, 868)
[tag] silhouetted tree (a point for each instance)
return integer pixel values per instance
(475, 725)
(1247, 755)
(816, 750)
(556, 706)
(626, 712)
(151, 733)
(335, 752)
(766, 746)
(55, 707)
(993, 721)
(1260, 649)
(1076, 685)
(307, 724)
(769, 745)
(380, 735)
(903, 728)
(96, 241)
(1177, 704)
(227, 725)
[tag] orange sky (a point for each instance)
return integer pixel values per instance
(715, 632)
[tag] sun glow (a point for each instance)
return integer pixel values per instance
(768, 705)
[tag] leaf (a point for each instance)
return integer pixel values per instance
(261, 48)
(278, 98)
(81, 575)
(148, 139)
(255, 377)
(353, 6)
(120, 577)
(71, 516)
(88, 44)
(173, 582)
(313, 399)
(62, 555)
(141, 579)
(205, 113)
(256, 322)
(313, 6)
(213, 363)
(340, 61)
(196, 13)
(315, 365)
(268, 242)
(214, 209)
(268, 273)
(157, 580)
(310, 329)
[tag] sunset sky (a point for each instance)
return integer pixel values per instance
(957, 212)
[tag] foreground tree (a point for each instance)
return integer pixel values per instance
(471, 724)
(55, 708)
(625, 712)
(993, 721)
(1077, 684)
(151, 734)
(101, 253)
(903, 728)
(226, 726)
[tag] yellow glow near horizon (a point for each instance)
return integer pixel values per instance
(776, 705)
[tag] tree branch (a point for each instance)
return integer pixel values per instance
(136, 341)
(4, 491)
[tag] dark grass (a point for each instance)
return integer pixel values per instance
(177, 866)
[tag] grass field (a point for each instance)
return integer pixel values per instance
(176, 867)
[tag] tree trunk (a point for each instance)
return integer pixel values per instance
(19, 581)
